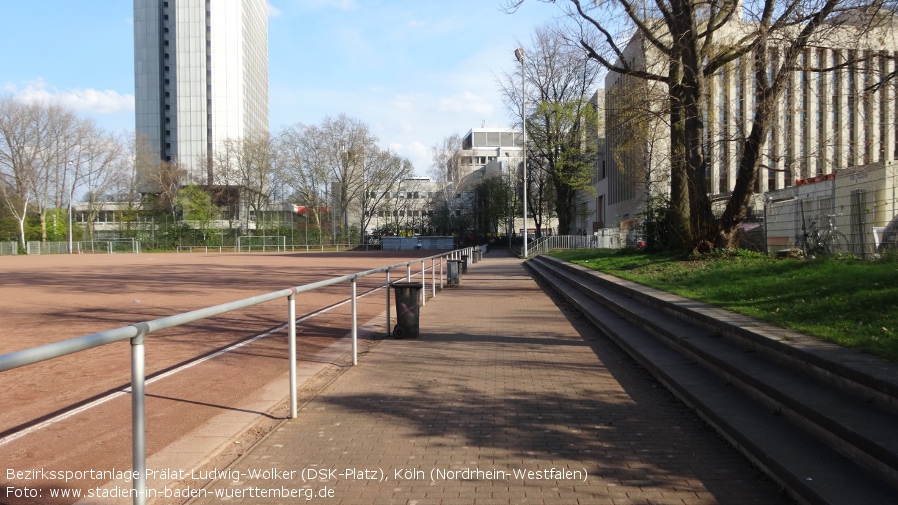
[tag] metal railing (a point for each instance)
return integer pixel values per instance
(138, 332)
(545, 244)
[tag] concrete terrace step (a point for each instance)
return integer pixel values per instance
(826, 437)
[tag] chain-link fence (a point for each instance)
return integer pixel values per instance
(853, 211)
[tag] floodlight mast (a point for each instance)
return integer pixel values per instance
(519, 54)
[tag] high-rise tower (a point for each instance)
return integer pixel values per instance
(201, 76)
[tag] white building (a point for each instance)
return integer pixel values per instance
(481, 146)
(201, 76)
(406, 207)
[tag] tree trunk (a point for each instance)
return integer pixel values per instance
(679, 227)
(43, 218)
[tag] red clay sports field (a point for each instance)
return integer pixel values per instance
(50, 298)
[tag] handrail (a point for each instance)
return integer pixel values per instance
(137, 333)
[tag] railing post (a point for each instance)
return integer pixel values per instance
(388, 302)
(139, 415)
(423, 284)
(433, 276)
(291, 338)
(441, 271)
(355, 325)
(408, 272)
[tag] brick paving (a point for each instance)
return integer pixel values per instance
(506, 398)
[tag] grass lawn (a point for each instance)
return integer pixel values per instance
(847, 301)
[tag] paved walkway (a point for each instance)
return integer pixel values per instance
(504, 399)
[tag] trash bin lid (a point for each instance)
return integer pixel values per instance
(403, 284)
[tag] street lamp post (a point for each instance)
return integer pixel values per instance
(509, 217)
(71, 196)
(519, 54)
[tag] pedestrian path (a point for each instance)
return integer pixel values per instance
(505, 398)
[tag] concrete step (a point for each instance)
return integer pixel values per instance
(823, 443)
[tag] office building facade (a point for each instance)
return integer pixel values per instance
(201, 77)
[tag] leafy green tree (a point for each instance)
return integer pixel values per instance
(196, 206)
(560, 148)
(494, 211)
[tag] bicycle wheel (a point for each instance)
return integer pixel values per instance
(836, 243)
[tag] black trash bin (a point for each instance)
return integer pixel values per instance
(464, 263)
(407, 296)
(453, 272)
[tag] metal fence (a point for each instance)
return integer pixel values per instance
(137, 334)
(9, 248)
(422, 242)
(850, 211)
(606, 238)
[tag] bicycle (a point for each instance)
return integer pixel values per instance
(814, 242)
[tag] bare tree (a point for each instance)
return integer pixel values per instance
(164, 182)
(344, 141)
(680, 43)
(101, 164)
(225, 188)
(301, 162)
(18, 157)
(254, 168)
(446, 164)
(559, 80)
(339, 160)
(383, 170)
(57, 175)
(35, 139)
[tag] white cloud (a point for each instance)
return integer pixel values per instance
(467, 102)
(343, 5)
(273, 11)
(84, 100)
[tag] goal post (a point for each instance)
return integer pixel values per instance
(261, 243)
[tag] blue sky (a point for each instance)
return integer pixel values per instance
(414, 70)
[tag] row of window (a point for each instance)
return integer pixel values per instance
(404, 213)
(409, 195)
